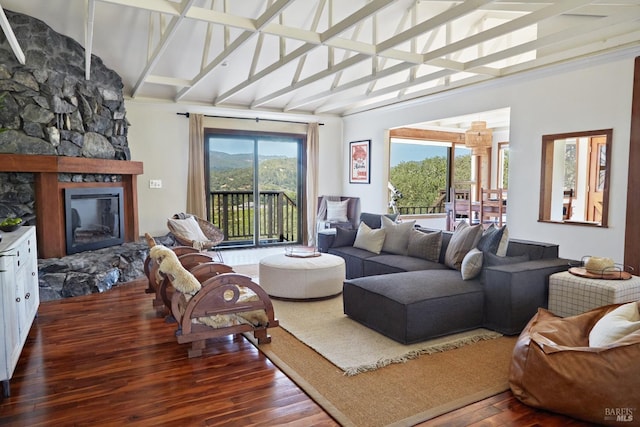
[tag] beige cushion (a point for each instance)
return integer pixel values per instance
(504, 242)
(472, 264)
(337, 211)
(396, 238)
(188, 228)
(614, 325)
(425, 245)
(462, 241)
(369, 239)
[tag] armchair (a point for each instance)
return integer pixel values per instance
(338, 211)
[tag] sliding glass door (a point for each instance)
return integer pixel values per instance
(254, 187)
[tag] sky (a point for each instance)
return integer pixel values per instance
(283, 147)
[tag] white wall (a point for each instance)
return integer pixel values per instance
(159, 138)
(591, 94)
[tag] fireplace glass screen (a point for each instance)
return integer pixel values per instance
(94, 218)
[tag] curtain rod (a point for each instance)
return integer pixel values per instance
(257, 119)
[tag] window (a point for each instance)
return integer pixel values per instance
(254, 187)
(422, 171)
(503, 165)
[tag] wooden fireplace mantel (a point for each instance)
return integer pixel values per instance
(49, 193)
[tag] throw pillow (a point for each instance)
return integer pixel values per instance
(471, 264)
(504, 242)
(375, 220)
(369, 239)
(425, 245)
(464, 238)
(396, 238)
(188, 228)
(337, 211)
(490, 239)
(614, 325)
(493, 260)
(344, 237)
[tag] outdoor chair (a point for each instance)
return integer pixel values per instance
(189, 230)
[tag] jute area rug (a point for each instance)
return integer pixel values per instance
(398, 394)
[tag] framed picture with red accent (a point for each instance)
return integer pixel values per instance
(360, 162)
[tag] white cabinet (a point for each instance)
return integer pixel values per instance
(19, 296)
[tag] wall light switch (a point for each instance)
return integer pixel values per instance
(155, 183)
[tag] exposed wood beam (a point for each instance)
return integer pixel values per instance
(11, 37)
(427, 134)
(88, 38)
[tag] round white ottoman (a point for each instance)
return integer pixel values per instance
(282, 276)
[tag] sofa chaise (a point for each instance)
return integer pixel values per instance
(410, 298)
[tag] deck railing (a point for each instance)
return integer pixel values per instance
(233, 213)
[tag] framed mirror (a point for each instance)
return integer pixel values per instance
(574, 186)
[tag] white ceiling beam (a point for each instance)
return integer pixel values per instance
(162, 45)
(341, 26)
(349, 85)
(449, 15)
(509, 26)
(162, 6)
(168, 81)
(270, 13)
(406, 35)
(314, 25)
(88, 38)
(11, 37)
(311, 79)
(587, 31)
(382, 91)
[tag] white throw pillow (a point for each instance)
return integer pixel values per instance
(369, 239)
(504, 242)
(396, 240)
(337, 211)
(472, 264)
(614, 325)
(189, 229)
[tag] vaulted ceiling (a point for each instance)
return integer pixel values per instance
(330, 56)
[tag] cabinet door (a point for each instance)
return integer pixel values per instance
(11, 328)
(28, 268)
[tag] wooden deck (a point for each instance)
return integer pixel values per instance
(106, 359)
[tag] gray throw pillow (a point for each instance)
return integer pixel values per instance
(396, 235)
(425, 245)
(490, 239)
(369, 239)
(464, 238)
(375, 220)
(344, 237)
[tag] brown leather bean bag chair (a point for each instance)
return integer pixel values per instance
(554, 368)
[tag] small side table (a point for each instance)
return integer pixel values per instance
(570, 295)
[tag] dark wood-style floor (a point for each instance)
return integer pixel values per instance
(108, 360)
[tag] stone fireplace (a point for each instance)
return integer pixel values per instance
(60, 131)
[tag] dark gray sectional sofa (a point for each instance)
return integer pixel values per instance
(412, 299)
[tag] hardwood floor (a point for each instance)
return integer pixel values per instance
(108, 360)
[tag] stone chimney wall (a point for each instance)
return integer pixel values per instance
(47, 107)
